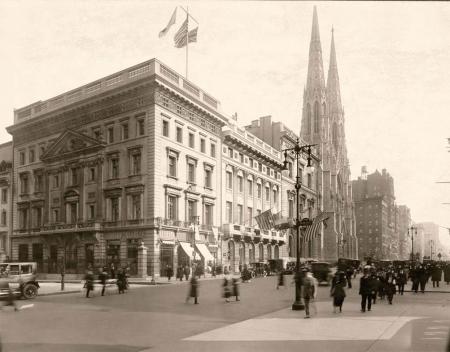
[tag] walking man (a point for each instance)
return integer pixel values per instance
(309, 290)
(89, 277)
(102, 277)
(193, 291)
(365, 290)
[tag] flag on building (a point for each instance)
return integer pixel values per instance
(265, 220)
(170, 24)
(312, 231)
(180, 37)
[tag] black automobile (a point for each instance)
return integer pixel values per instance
(322, 272)
(20, 278)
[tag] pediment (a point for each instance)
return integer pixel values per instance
(71, 143)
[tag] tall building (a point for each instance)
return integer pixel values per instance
(6, 199)
(431, 240)
(404, 222)
(130, 159)
(280, 137)
(323, 123)
(375, 210)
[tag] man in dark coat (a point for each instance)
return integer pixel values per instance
(89, 277)
(401, 279)
(348, 275)
(187, 272)
(365, 290)
(169, 272)
(235, 283)
(103, 276)
(447, 273)
(423, 278)
(193, 290)
(436, 275)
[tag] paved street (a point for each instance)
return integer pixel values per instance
(157, 318)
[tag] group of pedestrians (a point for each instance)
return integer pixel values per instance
(121, 277)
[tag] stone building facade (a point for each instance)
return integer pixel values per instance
(128, 159)
(404, 222)
(6, 199)
(323, 123)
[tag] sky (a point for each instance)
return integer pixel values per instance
(393, 61)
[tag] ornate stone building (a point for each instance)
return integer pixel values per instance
(133, 157)
(323, 123)
(6, 199)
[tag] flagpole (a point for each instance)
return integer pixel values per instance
(187, 40)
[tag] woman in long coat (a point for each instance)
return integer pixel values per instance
(338, 290)
(193, 291)
(226, 289)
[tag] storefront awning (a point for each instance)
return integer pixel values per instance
(204, 252)
(187, 248)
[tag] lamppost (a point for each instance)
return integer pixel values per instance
(431, 249)
(412, 231)
(296, 151)
(195, 221)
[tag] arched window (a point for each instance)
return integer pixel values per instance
(261, 252)
(335, 135)
(276, 253)
(308, 118)
(269, 252)
(316, 117)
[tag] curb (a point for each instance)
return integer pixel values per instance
(57, 293)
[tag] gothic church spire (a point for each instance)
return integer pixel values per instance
(333, 87)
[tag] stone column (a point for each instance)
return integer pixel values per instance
(142, 261)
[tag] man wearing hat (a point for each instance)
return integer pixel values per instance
(309, 289)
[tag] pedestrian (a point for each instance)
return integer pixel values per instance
(375, 286)
(10, 299)
(169, 272)
(235, 283)
(309, 290)
(89, 284)
(121, 281)
(180, 272)
(390, 289)
(423, 278)
(187, 272)
(193, 290)
(338, 290)
(112, 270)
(401, 281)
(447, 273)
(103, 276)
(226, 289)
(436, 275)
(414, 275)
(348, 274)
(365, 290)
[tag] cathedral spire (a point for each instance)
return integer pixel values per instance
(315, 66)
(333, 88)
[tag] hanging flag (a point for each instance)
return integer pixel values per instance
(170, 24)
(265, 220)
(180, 41)
(312, 230)
(180, 35)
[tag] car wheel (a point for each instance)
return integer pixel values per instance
(30, 291)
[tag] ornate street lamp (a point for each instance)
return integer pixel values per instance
(296, 152)
(195, 221)
(411, 231)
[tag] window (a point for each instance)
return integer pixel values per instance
(23, 218)
(136, 163)
(275, 196)
(55, 215)
(115, 209)
(73, 176)
(240, 184)
(124, 131)
(229, 180)
(300, 174)
(172, 166)
(165, 128)
(259, 190)
(250, 216)
(230, 152)
(289, 165)
(31, 156)
(260, 167)
(140, 128)
(213, 150)
(3, 218)
(191, 210)
(38, 183)
(114, 168)
(37, 218)
(268, 171)
(111, 134)
(22, 158)
(136, 211)
(191, 171)
(172, 207)
(179, 135)
(239, 214)
(267, 194)
(97, 133)
(250, 187)
(91, 212)
(55, 181)
(229, 212)
(291, 208)
(241, 158)
(92, 174)
(4, 195)
(41, 150)
(23, 254)
(208, 218)
(202, 145)
(309, 180)
(250, 162)
(24, 184)
(208, 178)
(191, 140)
(73, 213)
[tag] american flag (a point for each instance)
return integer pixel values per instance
(312, 230)
(265, 220)
(180, 36)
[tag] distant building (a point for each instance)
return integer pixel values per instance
(6, 188)
(376, 216)
(431, 240)
(404, 222)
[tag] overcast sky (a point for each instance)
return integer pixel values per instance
(393, 61)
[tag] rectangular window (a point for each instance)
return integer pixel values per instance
(124, 131)
(291, 208)
(23, 218)
(38, 183)
(230, 153)
(191, 140)
(172, 208)
(202, 145)
(208, 218)
(267, 194)
(74, 176)
(259, 189)
(136, 164)
(309, 180)
(55, 215)
(229, 180)
(165, 128)
(97, 133)
(239, 214)
(23, 253)
(91, 212)
(172, 166)
(111, 134)
(22, 158)
(240, 184)
(208, 178)
(191, 210)
(250, 187)
(92, 174)
(229, 212)
(31, 156)
(3, 218)
(179, 135)
(55, 181)
(37, 221)
(4, 195)
(289, 169)
(241, 158)
(136, 210)
(250, 216)
(73, 212)
(114, 172)
(115, 211)
(250, 162)
(191, 172)
(213, 150)
(275, 196)
(24, 184)
(140, 127)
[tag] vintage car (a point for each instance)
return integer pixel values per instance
(20, 278)
(322, 272)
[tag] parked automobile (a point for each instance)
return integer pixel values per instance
(322, 272)
(20, 278)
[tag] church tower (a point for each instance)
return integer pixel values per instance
(323, 124)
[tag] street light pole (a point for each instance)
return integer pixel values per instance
(411, 231)
(297, 150)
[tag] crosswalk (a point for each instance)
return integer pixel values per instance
(437, 330)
